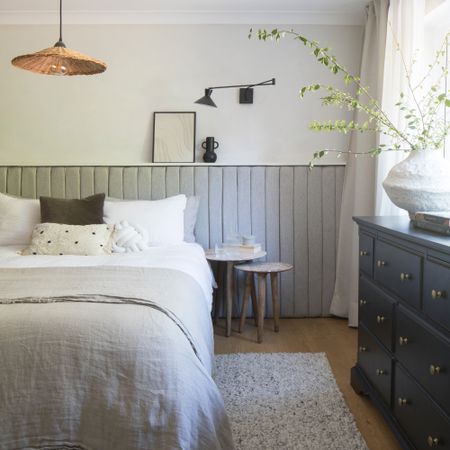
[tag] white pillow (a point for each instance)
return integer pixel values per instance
(18, 217)
(60, 239)
(163, 220)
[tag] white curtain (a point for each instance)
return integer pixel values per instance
(406, 28)
(358, 195)
(388, 23)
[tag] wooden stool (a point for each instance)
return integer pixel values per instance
(262, 270)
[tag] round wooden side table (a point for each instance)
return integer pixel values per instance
(226, 261)
(262, 270)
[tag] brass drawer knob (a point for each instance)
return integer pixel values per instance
(362, 302)
(437, 294)
(405, 276)
(402, 340)
(432, 441)
(435, 370)
(380, 372)
(362, 349)
(380, 319)
(402, 401)
(363, 253)
(381, 263)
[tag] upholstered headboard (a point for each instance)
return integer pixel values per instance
(293, 211)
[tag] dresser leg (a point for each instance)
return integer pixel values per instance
(261, 304)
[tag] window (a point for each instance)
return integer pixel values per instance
(437, 25)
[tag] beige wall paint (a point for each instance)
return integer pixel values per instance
(107, 119)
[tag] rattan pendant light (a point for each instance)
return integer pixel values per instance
(59, 60)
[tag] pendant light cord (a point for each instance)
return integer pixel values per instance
(60, 20)
(60, 43)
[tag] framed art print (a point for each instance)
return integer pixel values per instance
(174, 137)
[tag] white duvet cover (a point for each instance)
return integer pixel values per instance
(188, 258)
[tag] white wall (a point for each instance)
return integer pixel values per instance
(107, 119)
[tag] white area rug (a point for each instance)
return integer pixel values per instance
(284, 401)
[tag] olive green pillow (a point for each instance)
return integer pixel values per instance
(86, 211)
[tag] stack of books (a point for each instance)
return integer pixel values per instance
(437, 221)
(251, 248)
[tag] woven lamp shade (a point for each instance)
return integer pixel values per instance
(59, 60)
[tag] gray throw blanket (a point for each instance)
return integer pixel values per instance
(109, 358)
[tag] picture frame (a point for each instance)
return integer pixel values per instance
(174, 136)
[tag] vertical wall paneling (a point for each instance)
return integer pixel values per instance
(130, 183)
(187, 180)
(73, 188)
(145, 183)
(172, 181)
(230, 214)
(115, 185)
(201, 181)
(287, 238)
(58, 183)
(292, 211)
(3, 177)
(215, 194)
(244, 215)
(272, 222)
(301, 261)
(258, 209)
(315, 244)
(244, 220)
(43, 181)
(29, 182)
(229, 201)
(158, 183)
(258, 203)
(101, 180)
(215, 206)
(87, 186)
(14, 181)
(328, 237)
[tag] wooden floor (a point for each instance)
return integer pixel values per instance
(331, 336)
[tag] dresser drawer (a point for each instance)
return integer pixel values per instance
(425, 355)
(400, 271)
(436, 293)
(366, 244)
(376, 311)
(425, 424)
(376, 363)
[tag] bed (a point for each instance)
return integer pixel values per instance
(108, 352)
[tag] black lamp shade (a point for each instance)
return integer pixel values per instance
(206, 99)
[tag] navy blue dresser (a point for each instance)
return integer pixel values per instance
(403, 360)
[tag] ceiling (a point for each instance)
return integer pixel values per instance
(186, 5)
(190, 11)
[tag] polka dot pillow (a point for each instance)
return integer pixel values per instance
(58, 239)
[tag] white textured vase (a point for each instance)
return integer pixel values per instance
(421, 182)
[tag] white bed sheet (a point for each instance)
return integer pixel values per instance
(188, 258)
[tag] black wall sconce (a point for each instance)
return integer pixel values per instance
(245, 92)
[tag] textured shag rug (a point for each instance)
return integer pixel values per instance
(285, 401)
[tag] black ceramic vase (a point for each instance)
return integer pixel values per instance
(210, 145)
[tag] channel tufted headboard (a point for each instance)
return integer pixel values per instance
(293, 211)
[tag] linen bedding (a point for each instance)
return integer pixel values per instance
(108, 352)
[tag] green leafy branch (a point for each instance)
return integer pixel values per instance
(425, 122)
